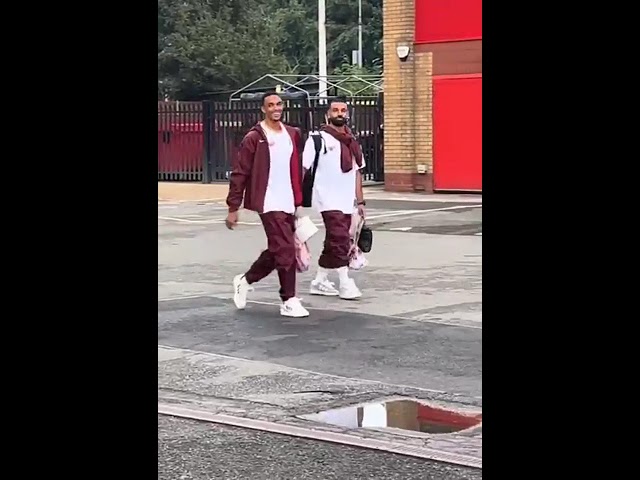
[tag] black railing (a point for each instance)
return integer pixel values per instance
(198, 141)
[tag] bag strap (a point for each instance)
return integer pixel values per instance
(318, 142)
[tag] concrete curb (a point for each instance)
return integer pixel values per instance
(217, 192)
(331, 437)
(191, 192)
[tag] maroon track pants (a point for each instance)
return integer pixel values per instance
(280, 254)
(337, 241)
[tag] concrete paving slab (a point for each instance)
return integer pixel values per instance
(268, 392)
(403, 279)
(190, 450)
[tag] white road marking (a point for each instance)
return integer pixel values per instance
(421, 199)
(395, 213)
(420, 212)
(202, 200)
(186, 220)
(184, 297)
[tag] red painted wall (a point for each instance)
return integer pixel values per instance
(448, 20)
(457, 133)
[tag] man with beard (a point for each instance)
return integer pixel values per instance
(337, 186)
(267, 174)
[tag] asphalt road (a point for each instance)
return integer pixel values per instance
(191, 450)
(417, 329)
(395, 351)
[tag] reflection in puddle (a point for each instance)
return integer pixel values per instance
(403, 414)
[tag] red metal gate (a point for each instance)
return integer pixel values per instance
(180, 141)
(457, 133)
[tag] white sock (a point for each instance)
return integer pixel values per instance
(343, 275)
(322, 275)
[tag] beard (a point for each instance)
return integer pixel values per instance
(337, 121)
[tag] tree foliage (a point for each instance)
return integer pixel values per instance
(208, 45)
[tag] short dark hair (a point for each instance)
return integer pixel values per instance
(268, 94)
(336, 100)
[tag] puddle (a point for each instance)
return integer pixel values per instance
(403, 414)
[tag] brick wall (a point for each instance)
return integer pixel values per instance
(423, 108)
(407, 103)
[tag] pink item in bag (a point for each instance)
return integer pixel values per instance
(303, 256)
(357, 260)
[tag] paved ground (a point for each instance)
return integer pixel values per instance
(416, 332)
(438, 217)
(200, 451)
(408, 351)
(413, 275)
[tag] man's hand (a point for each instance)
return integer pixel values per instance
(361, 211)
(231, 220)
(299, 213)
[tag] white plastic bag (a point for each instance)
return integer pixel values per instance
(305, 228)
(357, 260)
(303, 256)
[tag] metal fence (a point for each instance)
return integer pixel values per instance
(180, 141)
(197, 141)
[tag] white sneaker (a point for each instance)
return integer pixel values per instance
(240, 290)
(293, 308)
(323, 287)
(349, 290)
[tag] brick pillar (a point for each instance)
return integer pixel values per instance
(407, 103)
(423, 118)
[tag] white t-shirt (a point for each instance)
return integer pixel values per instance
(279, 195)
(333, 189)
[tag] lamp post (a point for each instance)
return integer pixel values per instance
(360, 33)
(322, 49)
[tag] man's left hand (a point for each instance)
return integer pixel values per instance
(361, 211)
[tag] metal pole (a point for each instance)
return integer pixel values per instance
(322, 49)
(360, 33)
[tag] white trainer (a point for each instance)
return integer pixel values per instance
(240, 290)
(323, 287)
(293, 308)
(349, 290)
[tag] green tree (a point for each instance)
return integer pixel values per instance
(207, 45)
(342, 31)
